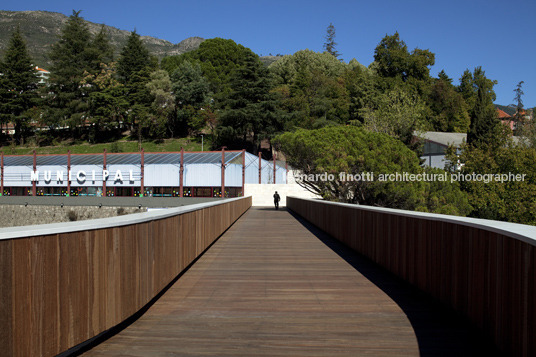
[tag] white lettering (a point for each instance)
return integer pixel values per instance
(131, 178)
(93, 175)
(35, 176)
(59, 176)
(118, 176)
(70, 177)
(81, 176)
(48, 176)
(105, 174)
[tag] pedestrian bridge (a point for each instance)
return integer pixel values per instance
(224, 279)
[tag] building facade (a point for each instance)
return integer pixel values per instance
(171, 174)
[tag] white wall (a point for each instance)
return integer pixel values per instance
(263, 195)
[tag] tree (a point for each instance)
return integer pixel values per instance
(73, 58)
(519, 117)
(393, 60)
(449, 112)
(108, 104)
(395, 113)
(511, 200)
(218, 59)
(104, 50)
(330, 43)
(312, 89)
(442, 76)
(134, 57)
(364, 155)
(163, 105)
(18, 85)
(518, 99)
(191, 90)
(485, 125)
(134, 68)
(249, 113)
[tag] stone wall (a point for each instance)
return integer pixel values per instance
(20, 215)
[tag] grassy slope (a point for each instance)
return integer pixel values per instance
(189, 144)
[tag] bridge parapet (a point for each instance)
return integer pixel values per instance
(484, 269)
(63, 284)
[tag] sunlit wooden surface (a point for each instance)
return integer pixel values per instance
(272, 286)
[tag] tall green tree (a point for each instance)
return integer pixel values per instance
(163, 105)
(312, 89)
(134, 68)
(485, 125)
(449, 112)
(330, 44)
(18, 85)
(393, 60)
(218, 59)
(519, 117)
(108, 103)
(103, 48)
(73, 57)
(250, 113)
(396, 113)
(134, 57)
(192, 96)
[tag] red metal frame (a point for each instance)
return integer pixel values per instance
(103, 180)
(222, 172)
(181, 175)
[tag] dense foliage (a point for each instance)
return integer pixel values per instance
(326, 157)
(513, 200)
(18, 86)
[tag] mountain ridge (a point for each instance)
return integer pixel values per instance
(41, 29)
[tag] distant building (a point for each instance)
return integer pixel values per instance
(436, 144)
(193, 174)
(506, 119)
(43, 75)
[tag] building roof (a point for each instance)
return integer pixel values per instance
(503, 115)
(447, 139)
(441, 138)
(170, 158)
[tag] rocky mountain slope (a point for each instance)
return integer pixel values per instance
(42, 29)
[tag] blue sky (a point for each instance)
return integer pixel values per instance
(498, 35)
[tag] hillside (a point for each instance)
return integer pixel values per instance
(42, 29)
(508, 109)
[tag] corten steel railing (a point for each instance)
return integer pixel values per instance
(483, 269)
(62, 284)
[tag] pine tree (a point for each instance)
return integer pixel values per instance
(250, 109)
(104, 50)
(330, 43)
(134, 68)
(442, 76)
(519, 117)
(18, 85)
(134, 58)
(104, 105)
(72, 59)
(484, 127)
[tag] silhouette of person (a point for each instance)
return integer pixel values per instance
(277, 198)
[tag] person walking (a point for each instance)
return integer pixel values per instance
(277, 198)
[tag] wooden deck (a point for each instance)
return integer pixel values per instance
(274, 286)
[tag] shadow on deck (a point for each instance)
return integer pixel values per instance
(274, 285)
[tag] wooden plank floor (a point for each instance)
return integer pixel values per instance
(274, 286)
